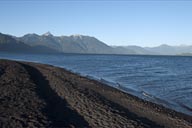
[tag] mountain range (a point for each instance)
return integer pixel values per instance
(48, 43)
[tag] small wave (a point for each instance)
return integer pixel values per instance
(92, 77)
(157, 99)
(108, 82)
(185, 106)
(128, 90)
(147, 94)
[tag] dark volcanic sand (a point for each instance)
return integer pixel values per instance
(37, 95)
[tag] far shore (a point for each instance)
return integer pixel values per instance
(40, 95)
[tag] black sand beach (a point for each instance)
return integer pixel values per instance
(38, 95)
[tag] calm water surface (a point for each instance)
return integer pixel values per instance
(165, 80)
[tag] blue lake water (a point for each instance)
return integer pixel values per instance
(166, 80)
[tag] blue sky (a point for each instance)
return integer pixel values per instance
(140, 22)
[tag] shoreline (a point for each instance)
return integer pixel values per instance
(139, 94)
(130, 91)
(90, 102)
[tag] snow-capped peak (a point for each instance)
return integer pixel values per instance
(77, 36)
(47, 34)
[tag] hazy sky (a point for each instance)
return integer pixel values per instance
(140, 22)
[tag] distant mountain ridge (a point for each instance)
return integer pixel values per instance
(67, 44)
(165, 49)
(10, 44)
(48, 43)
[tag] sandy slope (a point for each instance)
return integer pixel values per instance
(36, 95)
